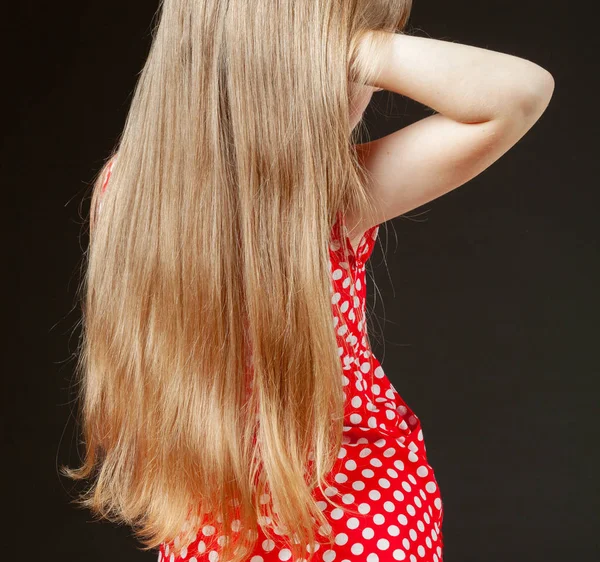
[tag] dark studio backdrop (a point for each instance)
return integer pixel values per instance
(484, 301)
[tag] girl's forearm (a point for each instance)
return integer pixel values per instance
(465, 83)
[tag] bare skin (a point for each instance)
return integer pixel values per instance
(486, 102)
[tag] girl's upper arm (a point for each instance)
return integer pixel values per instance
(429, 158)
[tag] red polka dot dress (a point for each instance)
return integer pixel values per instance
(382, 470)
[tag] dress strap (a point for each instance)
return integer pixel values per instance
(107, 175)
(365, 245)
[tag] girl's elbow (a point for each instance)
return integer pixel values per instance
(537, 95)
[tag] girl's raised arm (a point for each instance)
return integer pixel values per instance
(486, 102)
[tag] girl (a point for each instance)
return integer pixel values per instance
(232, 408)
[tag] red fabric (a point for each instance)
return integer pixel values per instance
(105, 182)
(382, 470)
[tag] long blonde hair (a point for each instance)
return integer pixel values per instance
(210, 258)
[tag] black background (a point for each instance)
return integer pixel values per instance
(484, 301)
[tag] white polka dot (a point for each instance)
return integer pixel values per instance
(422, 471)
(410, 509)
(378, 519)
(384, 483)
(412, 534)
(337, 513)
(389, 506)
(406, 543)
(393, 530)
(357, 548)
(406, 486)
(399, 495)
(438, 503)
(285, 554)
(364, 508)
(257, 559)
(372, 557)
(398, 554)
(268, 545)
(352, 523)
(351, 465)
(329, 555)
(430, 487)
(421, 551)
(348, 498)
(341, 539)
(368, 473)
(368, 533)
(383, 544)
(402, 519)
(374, 495)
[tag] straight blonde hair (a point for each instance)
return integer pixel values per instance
(208, 373)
